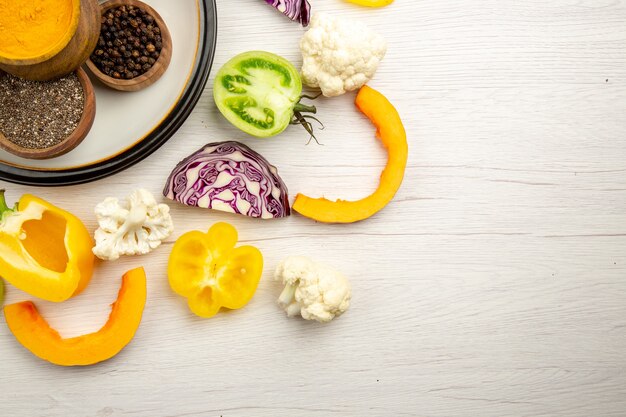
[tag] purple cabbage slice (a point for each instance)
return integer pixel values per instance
(296, 10)
(231, 177)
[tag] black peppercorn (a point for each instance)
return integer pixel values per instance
(130, 43)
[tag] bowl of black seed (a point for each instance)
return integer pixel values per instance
(45, 119)
(134, 48)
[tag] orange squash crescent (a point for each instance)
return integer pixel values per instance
(36, 335)
(391, 133)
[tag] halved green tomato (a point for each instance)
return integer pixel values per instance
(259, 92)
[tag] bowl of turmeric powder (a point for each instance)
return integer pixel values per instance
(47, 39)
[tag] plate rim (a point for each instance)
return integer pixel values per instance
(156, 138)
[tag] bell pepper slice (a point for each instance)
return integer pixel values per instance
(44, 250)
(372, 3)
(393, 137)
(211, 273)
(36, 335)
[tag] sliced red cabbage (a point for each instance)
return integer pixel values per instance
(296, 10)
(231, 177)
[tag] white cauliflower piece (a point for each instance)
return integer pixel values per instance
(314, 291)
(339, 55)
(134, 226)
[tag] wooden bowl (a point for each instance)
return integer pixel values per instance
(68, 55)
(73, 140)
(158, 69)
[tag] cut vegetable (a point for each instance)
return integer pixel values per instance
(312, 290)
(259, 93)
(393, 137)
(296, 10)
(44, 250)
(211, 273)
(231, 177)
(340, 54)
(36, 335)
(372, 3)
(134, 226)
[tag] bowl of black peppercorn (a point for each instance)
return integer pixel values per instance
(134, 48)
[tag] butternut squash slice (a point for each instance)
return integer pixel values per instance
(391, 133)
(36, 335)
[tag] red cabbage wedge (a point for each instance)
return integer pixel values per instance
(231, 177)
(296, 10)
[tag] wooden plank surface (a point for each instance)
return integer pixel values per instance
(493, 285)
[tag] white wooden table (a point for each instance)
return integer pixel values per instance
(493, 285)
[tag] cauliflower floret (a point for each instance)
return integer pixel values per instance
(314, 291)
(339, 55)
(134, 226)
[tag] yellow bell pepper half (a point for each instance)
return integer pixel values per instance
(372, 3)
(211, 273)
(44, 250)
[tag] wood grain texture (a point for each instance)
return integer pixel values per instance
(493, 285)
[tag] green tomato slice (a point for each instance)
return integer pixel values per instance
(257, 91)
